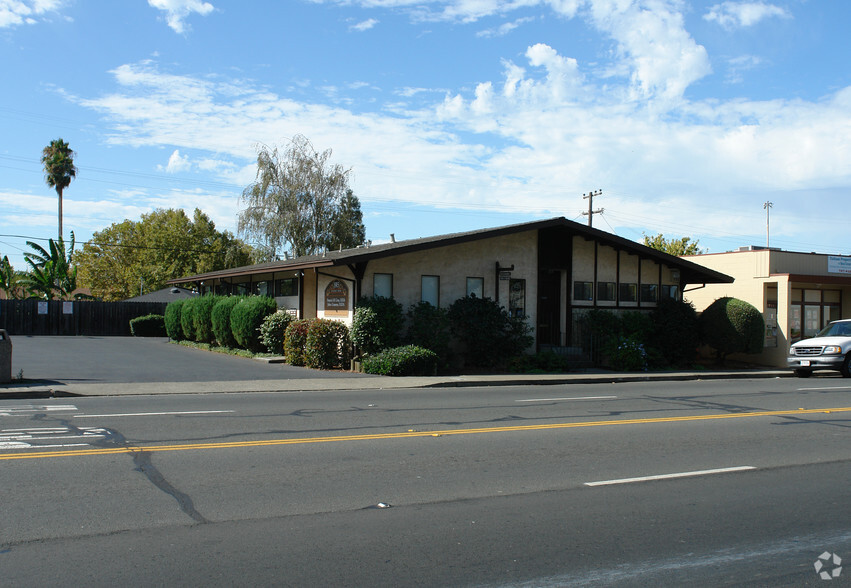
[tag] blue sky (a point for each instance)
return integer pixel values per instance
(452, 115)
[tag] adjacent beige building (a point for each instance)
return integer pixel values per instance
(798, 293)
(550, 271)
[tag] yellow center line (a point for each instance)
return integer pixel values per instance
(409, 434)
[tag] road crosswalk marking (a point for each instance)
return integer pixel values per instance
(24, 409)
(42, 437)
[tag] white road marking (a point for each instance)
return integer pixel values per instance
(669, 476)
(28, 438)
(825, 388)
(132, 414)
(574, 398)
(31, 408)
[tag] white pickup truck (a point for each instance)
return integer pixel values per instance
(829, 350)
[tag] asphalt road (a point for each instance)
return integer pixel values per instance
(498, 487)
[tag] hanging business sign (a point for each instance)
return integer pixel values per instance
(838, 265)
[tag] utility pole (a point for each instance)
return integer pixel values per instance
(767, 206)
(590, 198)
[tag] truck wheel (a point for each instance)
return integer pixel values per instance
(803, 373)
(845, 370)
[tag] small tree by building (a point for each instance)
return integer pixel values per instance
(730, 325)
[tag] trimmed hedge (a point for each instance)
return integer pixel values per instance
(384, 329)
(730, 325)
(409, 360)
(326, 345)
(220, 320)
(295, 339)
(246, 318)
(272, 331)
(428, 327)
(490, 337)
(187, 318)
(202, 318)
(150, 325)
(172, 319)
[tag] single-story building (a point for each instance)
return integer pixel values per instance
(798, 293)
(550, 271)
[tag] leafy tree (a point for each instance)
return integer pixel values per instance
(52, 273)
(58, 161)
(9, 279)
(301, 199)
(163, 245)
(672, 246)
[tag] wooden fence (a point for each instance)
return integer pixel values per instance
(58, 317)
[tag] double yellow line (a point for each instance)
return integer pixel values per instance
(412, 433)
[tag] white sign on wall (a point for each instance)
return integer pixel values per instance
(838, 265)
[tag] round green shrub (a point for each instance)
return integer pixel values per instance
(382, 330)
(173, 328)
(428, 327)
(220, 320)
(295, 339)
(202, 318)
(676, 335)
(246, 318)
(408, 360)
(326, 344)
(490, 337)
(730, 325)
(150, 325)
(629, 355)
(187, 318)
(272, 331)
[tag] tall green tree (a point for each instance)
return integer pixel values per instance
(132, 256)
(302, 200)
(672, 246)
(59, 169)
(9, 279)
(52, 271)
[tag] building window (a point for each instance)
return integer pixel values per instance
(669, 292)
(649, 292)
(517, 298)
(606, 291)
(583, 291)
(382, 285)
(628, 292)
(431, 290)
(241, 289)
(287, 287)
(261, 288)
(476, 287)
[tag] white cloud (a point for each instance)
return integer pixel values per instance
(18, 12)
(732, 15)
(178, 10)
(364, 25)
(176, 163)
(504, 28)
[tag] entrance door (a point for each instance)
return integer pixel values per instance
(549, 312)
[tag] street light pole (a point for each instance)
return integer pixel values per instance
(767, 206)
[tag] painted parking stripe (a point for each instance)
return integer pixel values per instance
(573, 398)
(672, 476)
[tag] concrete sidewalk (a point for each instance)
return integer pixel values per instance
(358, 382)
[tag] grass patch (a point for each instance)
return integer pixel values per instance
(226, 350)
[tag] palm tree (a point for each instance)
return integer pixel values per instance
(53, 272)
(58, 160)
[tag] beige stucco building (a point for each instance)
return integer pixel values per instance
(798, 293)
(550, 271)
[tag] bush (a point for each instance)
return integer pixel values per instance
(326, 344)
(246, 318)
(187, 318)
(295, 340)
(489, 335)
(676, 335)
(428, 327)
(272, 331)
(151, 325)
(730, 325)
(409, 360)
(220, 320)
(202, 318)
(545, 362)
(172, 319)
(629, 355)
(382, 330)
